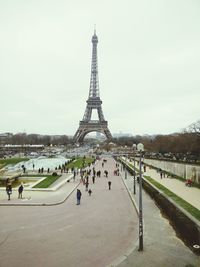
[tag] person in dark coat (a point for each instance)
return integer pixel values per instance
(93, 179)
(20, 191)
(8, 188)
(86, 186)
(109, 185)
(89, 192)
(78, 197)
(9, 191)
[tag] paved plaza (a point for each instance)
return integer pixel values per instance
(102, 231)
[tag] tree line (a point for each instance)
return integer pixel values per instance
(36, 139)
(183, 144)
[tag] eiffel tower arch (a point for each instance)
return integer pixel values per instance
(87, 125)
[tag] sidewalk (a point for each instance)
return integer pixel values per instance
(103, 228)
(56, 194)
(189, 194)
(162, 248)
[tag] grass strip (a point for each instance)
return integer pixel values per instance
(4, 162)
(129, 165)
(181, 202)
(78, 163)
(47, 182)
(173, 176)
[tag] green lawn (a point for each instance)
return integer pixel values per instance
(4, 162)
(78, 163)
(181, 202)
(47, 182)
(130, 165)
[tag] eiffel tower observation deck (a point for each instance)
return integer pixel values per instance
(94, 102)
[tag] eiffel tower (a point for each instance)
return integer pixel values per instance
(88, 125)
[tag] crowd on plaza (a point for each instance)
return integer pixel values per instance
(90, 175)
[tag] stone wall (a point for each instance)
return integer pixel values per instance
(183, 170)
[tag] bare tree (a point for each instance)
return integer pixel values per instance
(194, 128)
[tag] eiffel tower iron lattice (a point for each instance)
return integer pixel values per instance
(88, 125)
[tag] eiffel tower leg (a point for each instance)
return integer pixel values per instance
(108, 134)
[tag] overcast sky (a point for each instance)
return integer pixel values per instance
(148, 57)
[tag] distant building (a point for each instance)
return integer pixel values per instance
(120, 134)
(4, 138)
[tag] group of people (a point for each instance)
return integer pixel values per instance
(9, 189)
(85, 175)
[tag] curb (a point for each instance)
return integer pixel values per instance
(41, 204)
(134, 245)
(131, 197)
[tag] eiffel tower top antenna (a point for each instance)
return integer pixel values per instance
(94, 79)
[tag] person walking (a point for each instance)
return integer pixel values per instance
(78, 196)
(20, 191)
(93, 179)
(74, 175)
(109, 185)
(86, 186)
(89, 192)
(106, 173)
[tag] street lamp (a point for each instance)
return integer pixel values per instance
(134, 186)
(140, 148)
(125, 163)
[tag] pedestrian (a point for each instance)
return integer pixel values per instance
(109, 185)
(8, 188)
(102, 164)
(93, 179)
(106, 173)
(74, 175)
(89, 192)
(161, 174)
(20, 190)
(86, 185)
(144, 168)
(78, 197)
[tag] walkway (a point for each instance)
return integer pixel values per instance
(190, 194)
(162, 248)
(60, 190)
(102, 231)
(96, 233)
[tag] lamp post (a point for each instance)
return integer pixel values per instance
(140, 148)
(125, 163)
(134, 186)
